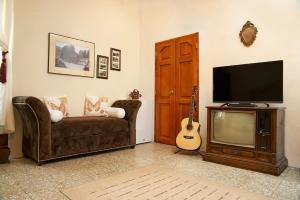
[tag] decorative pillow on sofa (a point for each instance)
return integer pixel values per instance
(57, 103)
(94, 107)
(56, 115)
(115, 112)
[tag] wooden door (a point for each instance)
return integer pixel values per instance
(176, 71)
(164, 89)
(187, 74)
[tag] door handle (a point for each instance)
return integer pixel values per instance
(171, 92)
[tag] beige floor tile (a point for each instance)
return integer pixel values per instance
(287, 190)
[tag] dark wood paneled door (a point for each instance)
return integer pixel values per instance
(176, 71)
(164, 92)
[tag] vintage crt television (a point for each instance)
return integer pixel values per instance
(233, 127)
(241, 134)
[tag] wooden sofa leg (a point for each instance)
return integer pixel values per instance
(132, 147)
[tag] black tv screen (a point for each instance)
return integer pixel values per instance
(255, 82)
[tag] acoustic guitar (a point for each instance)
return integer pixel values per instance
(189, 137)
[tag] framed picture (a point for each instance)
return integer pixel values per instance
(115, 59)
(102, 67)
(70, 56)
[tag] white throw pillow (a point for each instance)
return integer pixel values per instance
(115, 112)
(56, 115)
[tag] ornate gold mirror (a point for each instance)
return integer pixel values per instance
(248, 34)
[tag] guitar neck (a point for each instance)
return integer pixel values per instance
(191, 110)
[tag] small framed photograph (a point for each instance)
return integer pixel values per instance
(102, 67)
(115, 59)
(70, 56)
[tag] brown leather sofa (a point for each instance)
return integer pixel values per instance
(44, 140)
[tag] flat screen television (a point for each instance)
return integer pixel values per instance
(249, 83)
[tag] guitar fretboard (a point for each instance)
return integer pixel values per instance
(192, 107)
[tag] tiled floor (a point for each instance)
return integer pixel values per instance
(23, 179)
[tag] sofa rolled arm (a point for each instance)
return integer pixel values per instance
(131, 108)
(36, 126)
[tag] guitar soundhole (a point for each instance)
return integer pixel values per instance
(188, 137)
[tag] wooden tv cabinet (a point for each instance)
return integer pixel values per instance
(267, 153)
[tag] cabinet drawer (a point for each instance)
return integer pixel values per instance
(242, 153)
(263, 142)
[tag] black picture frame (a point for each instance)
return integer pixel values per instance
(102, 67)
(115, 59)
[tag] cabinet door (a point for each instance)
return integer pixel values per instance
(264, 131)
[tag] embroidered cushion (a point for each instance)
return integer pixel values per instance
(93, 106)
(57, 103)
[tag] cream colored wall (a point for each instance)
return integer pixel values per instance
(218, 24)
(107, 23)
